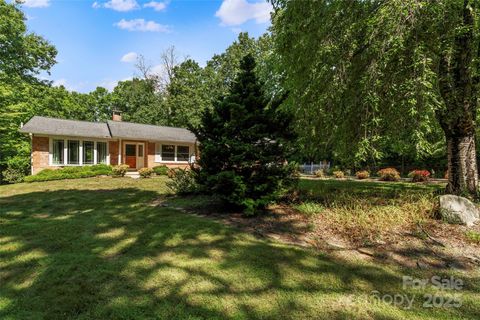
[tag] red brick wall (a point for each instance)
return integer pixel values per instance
(40, 146)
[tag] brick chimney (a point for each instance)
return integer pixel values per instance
(117, 115)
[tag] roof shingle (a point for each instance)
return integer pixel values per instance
(110, 129)
(62, 127)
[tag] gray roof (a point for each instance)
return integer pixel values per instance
(130, 130)
(110, 129)
(62, 127)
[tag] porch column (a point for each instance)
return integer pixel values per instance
(119, 151)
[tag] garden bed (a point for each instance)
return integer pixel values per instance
(388, 222)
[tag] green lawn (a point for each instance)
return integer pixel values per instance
(97, 248)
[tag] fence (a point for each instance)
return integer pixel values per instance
(312, 167)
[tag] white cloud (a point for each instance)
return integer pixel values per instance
(157, 6)
(129, 57)
(237, 12)
(117, 5)
(111, 84)
(60, 82)
(36, 3)
(142, 25)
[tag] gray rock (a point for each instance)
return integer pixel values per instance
(455, 209)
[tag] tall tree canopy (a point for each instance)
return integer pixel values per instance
(369, 76)
(23, 55)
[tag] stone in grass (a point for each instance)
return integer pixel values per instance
(455, 209)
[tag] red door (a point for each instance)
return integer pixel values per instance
(131, 155)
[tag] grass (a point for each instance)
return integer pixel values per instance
(97, 248)
(473, 236)
(365, 210)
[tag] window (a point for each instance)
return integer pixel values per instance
(88, 148)
(171, 153)
(73, 151)
(183, 152)
(76, 152)
(101, 152)
(140, 150)
(168, 152)
(130, 150)
(57, 152)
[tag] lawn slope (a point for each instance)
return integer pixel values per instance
(99, 248)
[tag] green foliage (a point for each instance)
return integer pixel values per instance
(17, 168)
(242, 145)
(161, 170)
(310, 208)
(146, 172)
(138, 101)
(23, 55)
(361, 78)
(389, 174)
(473, 236)
(70, 173)
(120, 170)
(183, 181)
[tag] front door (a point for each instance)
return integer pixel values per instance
(131, 155)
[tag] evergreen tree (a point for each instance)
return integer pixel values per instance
(243, 147)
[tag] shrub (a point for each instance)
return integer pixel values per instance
(362, 174)
(419, 175)
(172, 172)
(183, 181)
(120, 170)
(243, 143)
(161, 170)
(12, 175)
(70, 173)
(320, 173)
(339, 174)
(389, 174)
(145, 172)
(17, 168)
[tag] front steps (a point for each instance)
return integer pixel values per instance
(132, 174)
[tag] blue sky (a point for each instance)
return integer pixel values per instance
(97, 41)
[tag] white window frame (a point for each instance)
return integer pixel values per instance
(158, 152)
(65, 151)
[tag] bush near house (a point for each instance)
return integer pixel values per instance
(419, 175)
(161, 170)
(389, 174)
(70, 173)
(145, 172)
(182, 181)
(17, 168)
(339, 174)
(120, 170)
(363, 174)
(320, 173)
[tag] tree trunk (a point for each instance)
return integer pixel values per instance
(462, 165)
(458, 84)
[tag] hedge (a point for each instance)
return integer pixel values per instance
(70, 173)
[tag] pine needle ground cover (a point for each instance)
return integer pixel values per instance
(101, 248)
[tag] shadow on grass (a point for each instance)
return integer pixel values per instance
(108, 254)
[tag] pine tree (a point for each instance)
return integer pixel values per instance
(243, 145)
